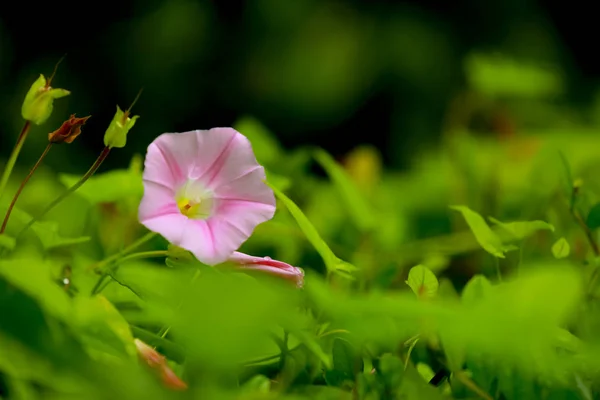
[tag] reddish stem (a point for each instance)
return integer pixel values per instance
(23, 183)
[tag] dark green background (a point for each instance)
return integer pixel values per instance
(332, 73)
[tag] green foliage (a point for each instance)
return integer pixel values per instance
(487, 238)
(561, 248)
(422, 282)
(396, 302)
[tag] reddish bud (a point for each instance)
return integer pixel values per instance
(68, 131)
(158, 362)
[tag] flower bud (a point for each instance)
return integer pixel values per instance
(68, 131)
(116, 134)
(269, 266)
(158, 362)
(38, 104)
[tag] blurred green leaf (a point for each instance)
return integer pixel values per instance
(7, 242)
(109, 186)
(425, 371)
(47, 232)
(499, 75)
(476, 290)
(257, 384)
(484, 235)
(264, 144)
(359, 210)
(561, 248)
(24, 365)
(422, 282)
(103, 328)
(34, 277)
(593, 218)
(345, 359)
(522, 229)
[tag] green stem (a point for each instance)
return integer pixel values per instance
(147, 237)
(142, 255)
(462, 377)
(72, 189)
(13, 156)
(22, 186)
(498, 273)
(112, 269)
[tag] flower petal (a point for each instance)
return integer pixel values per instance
(249, 188)
(169, 158)
(199, 239)
(232, 225)
(234, 160)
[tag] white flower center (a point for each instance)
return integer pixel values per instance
(194, 201)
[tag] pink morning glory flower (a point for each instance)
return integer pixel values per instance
(268, 265)
(204, 191)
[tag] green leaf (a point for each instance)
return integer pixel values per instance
(102, 327)
(498, 75)
(280, 181)
(7, 242)
(561, 248)
(521, 229)
(425, 371)
(477, 289)
(483, 234)
(359, 209)
(264, 144)
(332, 262)
(311, 343)
(422, 282)
(23, 364)
(107, 187)
(34, 277)
(47, 232)
(257, 384)
(345, 358)
(593, 218)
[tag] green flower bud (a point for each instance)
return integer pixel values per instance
(39, 101)
(116, 134)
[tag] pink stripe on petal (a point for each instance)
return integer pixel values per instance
(214, 170)
(212, 145)
(157, 201)
(249, 187)
(236, 160)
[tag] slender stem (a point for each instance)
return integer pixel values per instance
(498, 273)
(22, 186)
(462, 377)
(98, 286)
(143, 254)
(108, 272)
(588, 233)
(125, 251)
(72, 189)
(13, 156)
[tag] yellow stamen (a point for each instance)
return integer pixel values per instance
(187, 207)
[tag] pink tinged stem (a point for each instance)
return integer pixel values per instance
(22, 186)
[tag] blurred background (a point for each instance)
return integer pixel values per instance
(394, 74)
